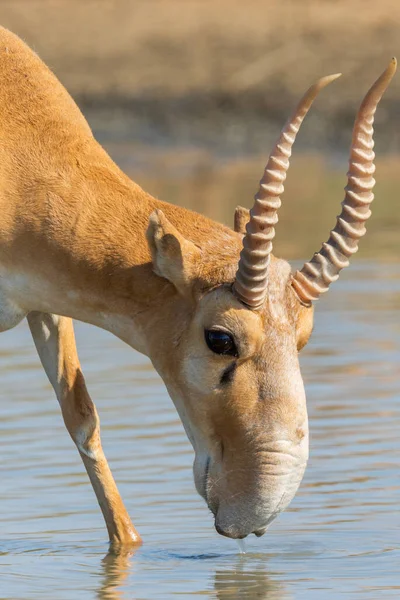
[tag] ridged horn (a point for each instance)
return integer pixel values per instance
(316, 275)
(251, 282)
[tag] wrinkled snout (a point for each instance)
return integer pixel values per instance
(255, 511)
(247, 491)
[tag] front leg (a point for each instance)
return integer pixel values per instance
(55, 342)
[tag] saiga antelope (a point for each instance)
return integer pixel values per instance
(220, 317)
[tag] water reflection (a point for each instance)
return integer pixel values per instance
(241, 582)
(340, 535)
(116, 567)
(241, 577)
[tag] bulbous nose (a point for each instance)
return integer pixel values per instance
(236, 534)
(230, 532)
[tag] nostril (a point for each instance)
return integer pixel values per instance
(205, 480)
(229, 534)
(260, 532)
(222, 450)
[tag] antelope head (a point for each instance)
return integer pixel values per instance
(239, 320)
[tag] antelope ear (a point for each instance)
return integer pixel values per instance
(242, 217)
(174, 257)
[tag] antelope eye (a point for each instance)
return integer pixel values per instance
(220, 342)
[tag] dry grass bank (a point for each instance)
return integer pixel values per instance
(226, 65)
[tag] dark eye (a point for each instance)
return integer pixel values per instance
(220, 342)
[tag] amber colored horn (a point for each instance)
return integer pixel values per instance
(251, 282)
(316, 276)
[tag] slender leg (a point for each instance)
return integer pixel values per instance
(55, 342)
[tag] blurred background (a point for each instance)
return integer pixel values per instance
(189, 95)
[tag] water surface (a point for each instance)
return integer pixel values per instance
(340, 536)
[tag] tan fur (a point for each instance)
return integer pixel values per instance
(73, 243)
(80, 417)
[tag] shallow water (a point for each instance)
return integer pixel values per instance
(340, 536)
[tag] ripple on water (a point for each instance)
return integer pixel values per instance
(340, 535)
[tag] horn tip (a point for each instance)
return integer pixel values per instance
(328, 79)
(390, 70)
